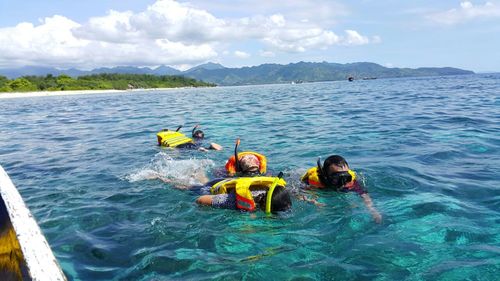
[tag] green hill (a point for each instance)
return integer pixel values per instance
(311, 72)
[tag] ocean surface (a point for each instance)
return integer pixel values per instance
(427, 150)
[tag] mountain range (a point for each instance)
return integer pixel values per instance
(262, 74)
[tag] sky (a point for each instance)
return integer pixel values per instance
(237, 33)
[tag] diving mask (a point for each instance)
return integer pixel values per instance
(340, 179)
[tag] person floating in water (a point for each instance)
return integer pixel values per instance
(247, 188)
(243, 187)
(246, 193)
(336, 175)
(247, 163)
(176, 139)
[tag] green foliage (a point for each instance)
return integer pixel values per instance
(97, 82)
(3, 81)
(21, 85)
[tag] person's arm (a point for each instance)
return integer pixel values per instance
(212, 146)
(369, 204)
(205, 200)
(224, 201)
(215, 146)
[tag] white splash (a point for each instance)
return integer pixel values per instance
(181, 171)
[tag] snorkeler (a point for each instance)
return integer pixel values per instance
(335, 175)
(247, 163)
(242, 187)
(247, 193)
(242, 193)
(176, 139)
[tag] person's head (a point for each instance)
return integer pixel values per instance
(335, 163)
(249, 164)
(198, 134)
(280, 200)
(336, 171)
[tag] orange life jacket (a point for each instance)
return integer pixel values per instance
(231, 163)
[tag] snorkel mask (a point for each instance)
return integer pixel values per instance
(335, 180)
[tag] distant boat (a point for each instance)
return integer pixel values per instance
(369, 78)
(24, 251)
(297, 82)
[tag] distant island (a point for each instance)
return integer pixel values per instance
(123, 77)
(96, 82)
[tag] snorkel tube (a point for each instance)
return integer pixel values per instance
(178, 128)
(236, 160)
(321, 174)
(270, 192)
(194, 128)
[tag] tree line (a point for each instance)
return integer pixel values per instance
(103, 81)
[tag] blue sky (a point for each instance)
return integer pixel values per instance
(182, 34)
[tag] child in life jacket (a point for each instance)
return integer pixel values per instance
(335, 175)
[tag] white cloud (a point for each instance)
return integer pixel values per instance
(267, 54)
(354, 38)
(241, 54)
(167, 32)
(466, 12)
(52, 41)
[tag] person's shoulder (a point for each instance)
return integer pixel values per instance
(358, 188)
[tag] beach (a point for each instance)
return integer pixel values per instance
(12, 95)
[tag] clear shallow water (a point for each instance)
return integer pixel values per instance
(427, 148)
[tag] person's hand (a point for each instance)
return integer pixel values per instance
(310, 200)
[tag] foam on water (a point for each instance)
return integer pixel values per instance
(182, 171)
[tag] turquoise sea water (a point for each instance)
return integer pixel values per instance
(427, 150)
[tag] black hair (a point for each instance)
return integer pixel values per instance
(280, 200)
(198, 132)
(336, 160)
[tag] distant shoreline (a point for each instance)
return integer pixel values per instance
(13, 95)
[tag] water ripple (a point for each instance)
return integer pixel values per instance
(426, 149)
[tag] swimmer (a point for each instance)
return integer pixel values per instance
(179, 140)
(336, 175)
(244, 193)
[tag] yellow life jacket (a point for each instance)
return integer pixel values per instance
(311, 178)
(231, 163)
(172, 138)
(243, 187)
